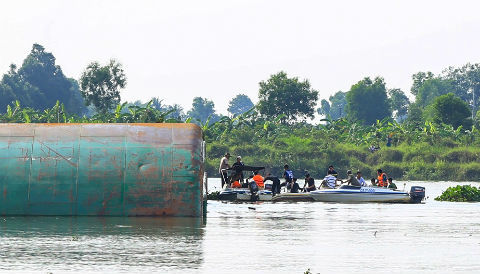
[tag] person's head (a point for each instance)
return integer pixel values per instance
(255, 172)
(390, 180)
(307, 175)
(372, 180)
(286, 167)
(239, 158)
(379, 171)
(227, 155)
(359, 174)
(294, 180)
(349, 172)
(330, 168)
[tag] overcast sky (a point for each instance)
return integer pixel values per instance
(177, 50)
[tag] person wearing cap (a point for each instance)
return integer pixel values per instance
(222, 168)
(311, 183)
(351, 180)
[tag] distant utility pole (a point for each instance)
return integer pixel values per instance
(473, 103)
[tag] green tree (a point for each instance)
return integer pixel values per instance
(418, 79)
(39, 83)
(202, 109)
(399, 102)
(451, 110)
(466, 80)
(100, 85)
(288, 96)
(338, 105)
(240, 104)
(367, 101)
(324, 108)
(431, 89)
(415, 115)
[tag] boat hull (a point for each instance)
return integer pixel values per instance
(243, 194)
(294, 197)
(361, 195)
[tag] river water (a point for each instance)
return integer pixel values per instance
(434, 237)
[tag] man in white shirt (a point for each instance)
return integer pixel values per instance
(224, 165)
(360, 179)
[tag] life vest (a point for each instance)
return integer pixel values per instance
(382, 180)
(259, 180)
(236, 184)
(289, 176)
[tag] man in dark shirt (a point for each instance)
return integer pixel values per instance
(238, 168)
(275, 185)
(311, 183)
(295, 186)
(332, 171)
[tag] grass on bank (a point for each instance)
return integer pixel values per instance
(420, 161)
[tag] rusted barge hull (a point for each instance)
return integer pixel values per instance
(101, 169)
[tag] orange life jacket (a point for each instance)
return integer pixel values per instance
(236, 184)
(259, 180)
(382, 180)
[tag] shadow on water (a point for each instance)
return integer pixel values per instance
(97, 244)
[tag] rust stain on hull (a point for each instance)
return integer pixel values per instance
(101, 169)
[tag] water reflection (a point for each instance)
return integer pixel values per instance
(101, 244)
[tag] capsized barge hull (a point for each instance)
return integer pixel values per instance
(101, 169)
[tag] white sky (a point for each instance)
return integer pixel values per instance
(177, 50)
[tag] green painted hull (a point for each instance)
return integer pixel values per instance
(101, 169)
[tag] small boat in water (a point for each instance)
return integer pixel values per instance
(357, 194)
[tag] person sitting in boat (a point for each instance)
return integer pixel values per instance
(236, 184)
(360, 179)
(382, 178)
(351, 180)
(295, 186)
(391, 184)
(329, 181)
(288, 176)
(258, 179)
(373, 182)
(275, 185)
(332, 171)
(311, 183)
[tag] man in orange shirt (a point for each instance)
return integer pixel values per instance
(258, 179)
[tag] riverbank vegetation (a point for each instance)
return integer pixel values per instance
(465, 193)
(370, 126)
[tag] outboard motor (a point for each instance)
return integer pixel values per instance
(417, 193)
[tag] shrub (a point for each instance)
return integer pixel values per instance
(460, 156)
(392, 155)
(465, 193)
(469, 172)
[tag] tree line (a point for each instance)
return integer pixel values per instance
(445, 98)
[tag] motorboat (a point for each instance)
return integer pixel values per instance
(245, 193)
(361, 194)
